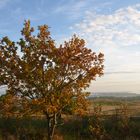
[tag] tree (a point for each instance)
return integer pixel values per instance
(44, 78)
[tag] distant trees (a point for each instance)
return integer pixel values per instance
(44, 78)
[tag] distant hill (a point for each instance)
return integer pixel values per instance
(114, 94)
(97, 94)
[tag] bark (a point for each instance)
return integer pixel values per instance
(48, 129)
(51, 125)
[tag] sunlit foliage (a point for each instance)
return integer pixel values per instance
(44, 78)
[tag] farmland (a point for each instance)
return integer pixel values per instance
(110, 104)
(108, 118)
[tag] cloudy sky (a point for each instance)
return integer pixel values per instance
(108, 26)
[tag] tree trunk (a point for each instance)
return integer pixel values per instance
(51, 124)
(48, 129)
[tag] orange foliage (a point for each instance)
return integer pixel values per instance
(45, 78)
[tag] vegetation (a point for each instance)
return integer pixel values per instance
(120, 125)
(45, 79)
(45, 93)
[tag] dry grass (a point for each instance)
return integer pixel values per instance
(110, 105)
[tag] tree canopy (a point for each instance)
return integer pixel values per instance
(45, 78)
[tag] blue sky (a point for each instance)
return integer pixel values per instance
(109, 26)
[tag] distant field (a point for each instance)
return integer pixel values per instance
(73, 127)
(110, 104)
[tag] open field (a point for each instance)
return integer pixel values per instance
(106, 124)
(110, 104)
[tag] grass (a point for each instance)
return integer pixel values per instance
(110, 127)
(30, 129)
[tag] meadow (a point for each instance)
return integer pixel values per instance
(109, 118)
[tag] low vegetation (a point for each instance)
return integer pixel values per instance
(122, 124)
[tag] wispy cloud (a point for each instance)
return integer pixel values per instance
(76, 9)
(73, 9)
(116, 34)
(122, 26)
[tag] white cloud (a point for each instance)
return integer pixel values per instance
(114, 34)
(73, 9)
(117, 35)
(68, 6)
(122, 26)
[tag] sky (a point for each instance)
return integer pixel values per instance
(108, 26)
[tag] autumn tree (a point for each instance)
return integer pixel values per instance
(45, 78)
